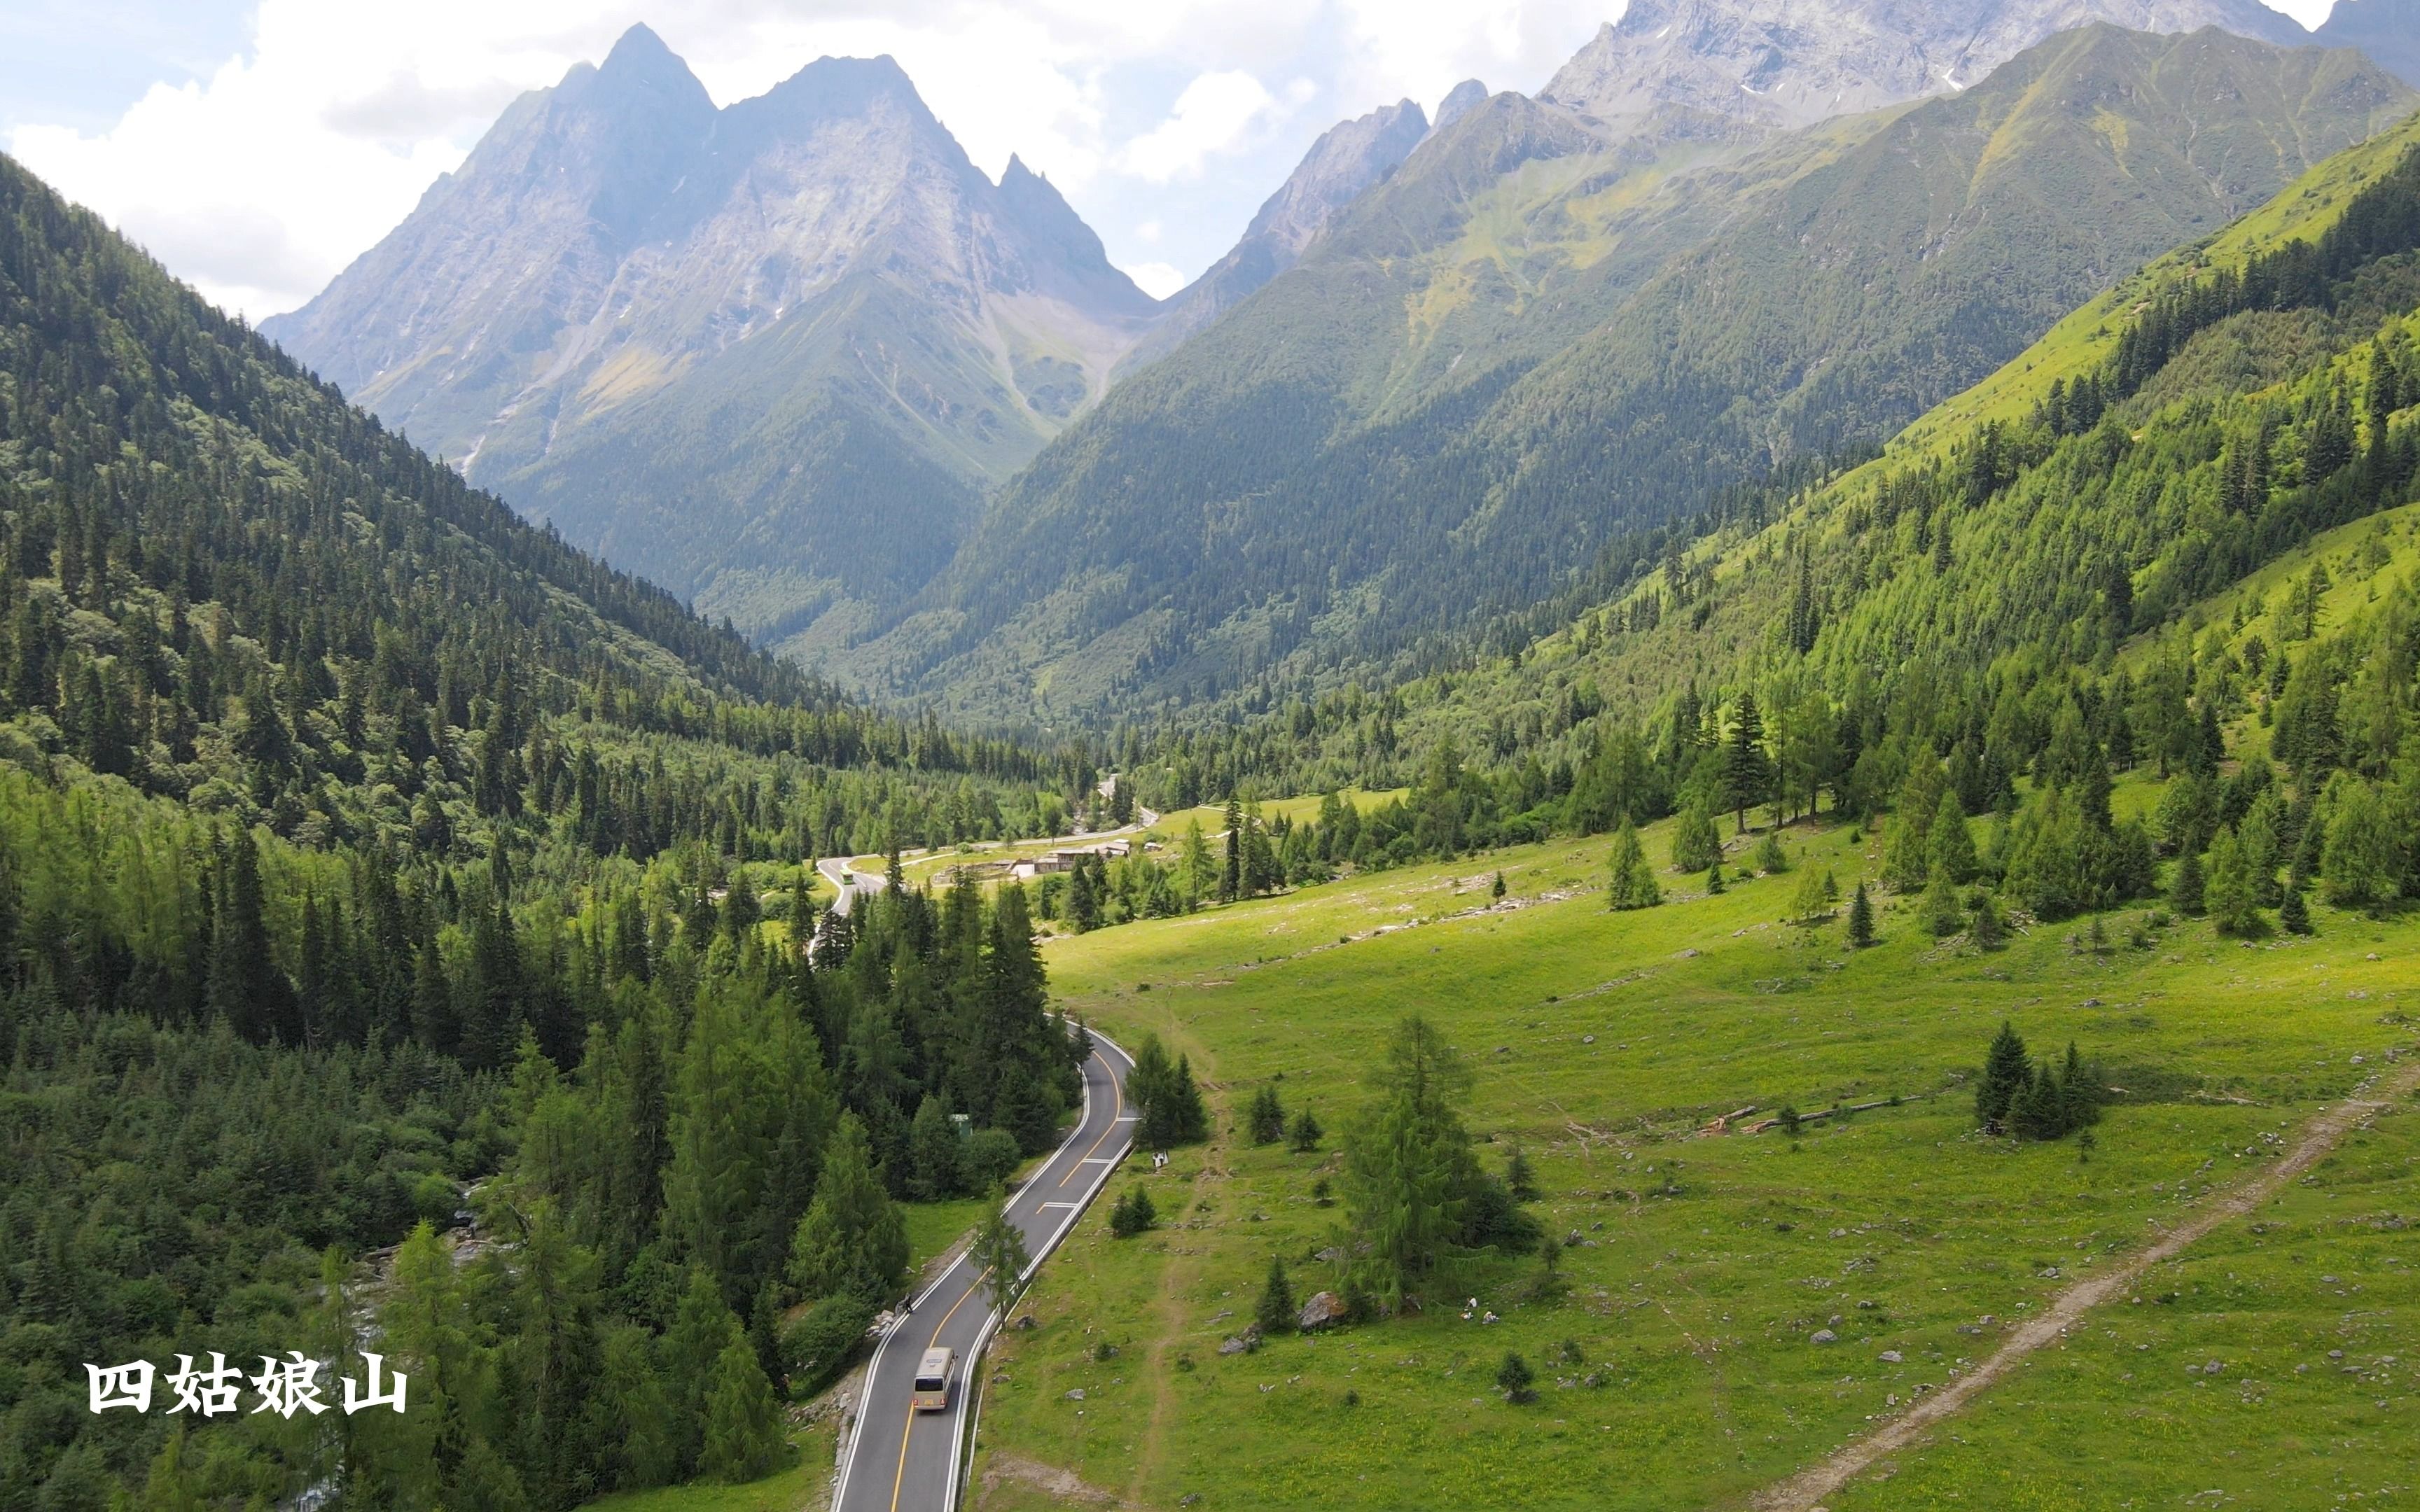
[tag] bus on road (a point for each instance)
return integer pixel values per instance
(933, 1381)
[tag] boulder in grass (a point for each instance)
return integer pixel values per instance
(1322, 1310)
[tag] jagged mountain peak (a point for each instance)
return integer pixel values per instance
(770, 354)
(1692, 67)
(1457, 102)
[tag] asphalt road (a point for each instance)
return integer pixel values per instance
(902, 1461)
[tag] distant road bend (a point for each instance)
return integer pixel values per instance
(902, 1460)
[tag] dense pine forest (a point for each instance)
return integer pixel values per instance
(371, 865)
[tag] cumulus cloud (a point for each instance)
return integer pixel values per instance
(1158, 279)
(1210, 116)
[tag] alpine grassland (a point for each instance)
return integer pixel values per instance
(1727, 1307)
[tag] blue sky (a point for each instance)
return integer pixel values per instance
(258, 145)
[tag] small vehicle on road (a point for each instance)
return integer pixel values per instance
(932, 1375)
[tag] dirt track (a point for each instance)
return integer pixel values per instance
(1804, 1491)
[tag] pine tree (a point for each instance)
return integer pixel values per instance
(1231, 880)
(1304, 1137)
(2228, 893)
(1747, 773)
(1631, 880)
(1520, 1178)
(1133, 1213)
(702, 1328)
(1696, 843)
(2187, 887)
(743, 1426)
(1497, 890)
(1275, 1311)
(1950, 843)
(2294, 913)
(1770, 859)
(1266, 1120)
(1714, 879)
(935, 1153)
(1986, 932)
(852, 1239)
(1513, 1379)
(1942, 914)
(2006, 1070)
(1861, 918)
(998, 1253)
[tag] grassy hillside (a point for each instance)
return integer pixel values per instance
(2038, 524)
(1527, 345)
(1704, 1266)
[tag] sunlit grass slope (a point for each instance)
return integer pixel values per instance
(1705, 1266)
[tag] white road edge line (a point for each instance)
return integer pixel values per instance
(962, 1447)
(857, 1425)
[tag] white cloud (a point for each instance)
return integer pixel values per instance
(1158, 279)
(1212, 115)
(1148, 231)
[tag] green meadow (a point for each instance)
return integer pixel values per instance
(1677, 1349)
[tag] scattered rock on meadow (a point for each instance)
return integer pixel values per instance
(1822, 1336)
(1321, 1310)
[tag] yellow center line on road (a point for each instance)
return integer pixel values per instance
(908, 1430)
(1116, 1108)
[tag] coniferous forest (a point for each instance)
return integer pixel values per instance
(372, 864)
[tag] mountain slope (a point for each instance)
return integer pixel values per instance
(1346, 160)
(1530, 340)
(769, 355)
(2387, 30)
(2102, 500)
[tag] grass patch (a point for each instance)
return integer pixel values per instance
(1705, 1266)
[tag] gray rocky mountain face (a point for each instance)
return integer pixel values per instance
(1458, 103)
(626, 291)
(2387, 30)
(1679, 69)
(1346, 160)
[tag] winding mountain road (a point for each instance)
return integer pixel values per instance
(902, 1460)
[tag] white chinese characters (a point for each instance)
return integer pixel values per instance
(283, 1386)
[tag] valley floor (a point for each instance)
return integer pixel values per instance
(1738, 1308)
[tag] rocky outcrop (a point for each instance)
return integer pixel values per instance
(1718, 67)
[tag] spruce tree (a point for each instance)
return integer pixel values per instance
(1861, 918)
(1266, 1119)
(1950, 843)
(1520, 1178)
(2187, 887)
(1714, 879)
(1305, 1134)
(1747, 773)
(743, 1425)
(1942, 914)
(1986, 932)
(2294, 913)
(852, 1239)
(2006, 1070)
(1275, 1311)
(1514, 1378)
(1770, 859)
(1696, 842)
(1631, 880)
(2229, 893)
(935, 1153)
(998, 1253)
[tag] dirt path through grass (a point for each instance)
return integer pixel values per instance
(1806, 1491)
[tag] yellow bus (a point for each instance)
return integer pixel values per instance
(933, 1381)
